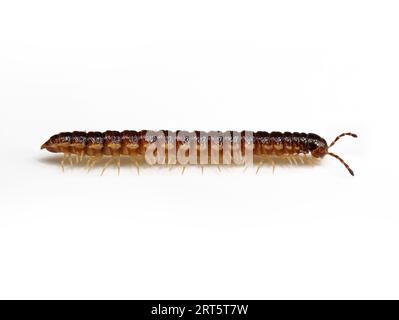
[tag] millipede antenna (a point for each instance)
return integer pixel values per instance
(342, 135)
(343, 162)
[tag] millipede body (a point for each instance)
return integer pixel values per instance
(183, 147)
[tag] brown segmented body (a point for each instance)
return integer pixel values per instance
(136, 143)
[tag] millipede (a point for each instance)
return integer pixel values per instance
(195, 147)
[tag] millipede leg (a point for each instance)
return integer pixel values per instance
(118, 164)
(89, 160)
(202, 170)
(136, 164)
(63, 163)
(312, 160)
(289, 160)
(106, 165)
(294, 160)
(182, 171)
(70, 159)
(308, 160)
(92, 162)
(259, 166)
(274, 166)
(272, 163)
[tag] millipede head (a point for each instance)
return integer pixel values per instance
(57, 142)
(317, 145)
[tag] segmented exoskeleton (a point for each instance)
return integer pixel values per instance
(136, 144)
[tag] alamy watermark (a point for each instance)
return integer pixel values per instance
(199, 148)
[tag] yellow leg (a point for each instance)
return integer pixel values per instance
(294, 160)
(118, 164)
(313, 160)
(136, 165)
(87, 166)
(63, 162)
(89, 160)
(93, 162)
(259, 166)
(106, 165)
(272, 163)
(182, 171)
(70, 159)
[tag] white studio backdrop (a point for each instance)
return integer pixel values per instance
(302, 232)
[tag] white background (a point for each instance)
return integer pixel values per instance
(304, 232)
